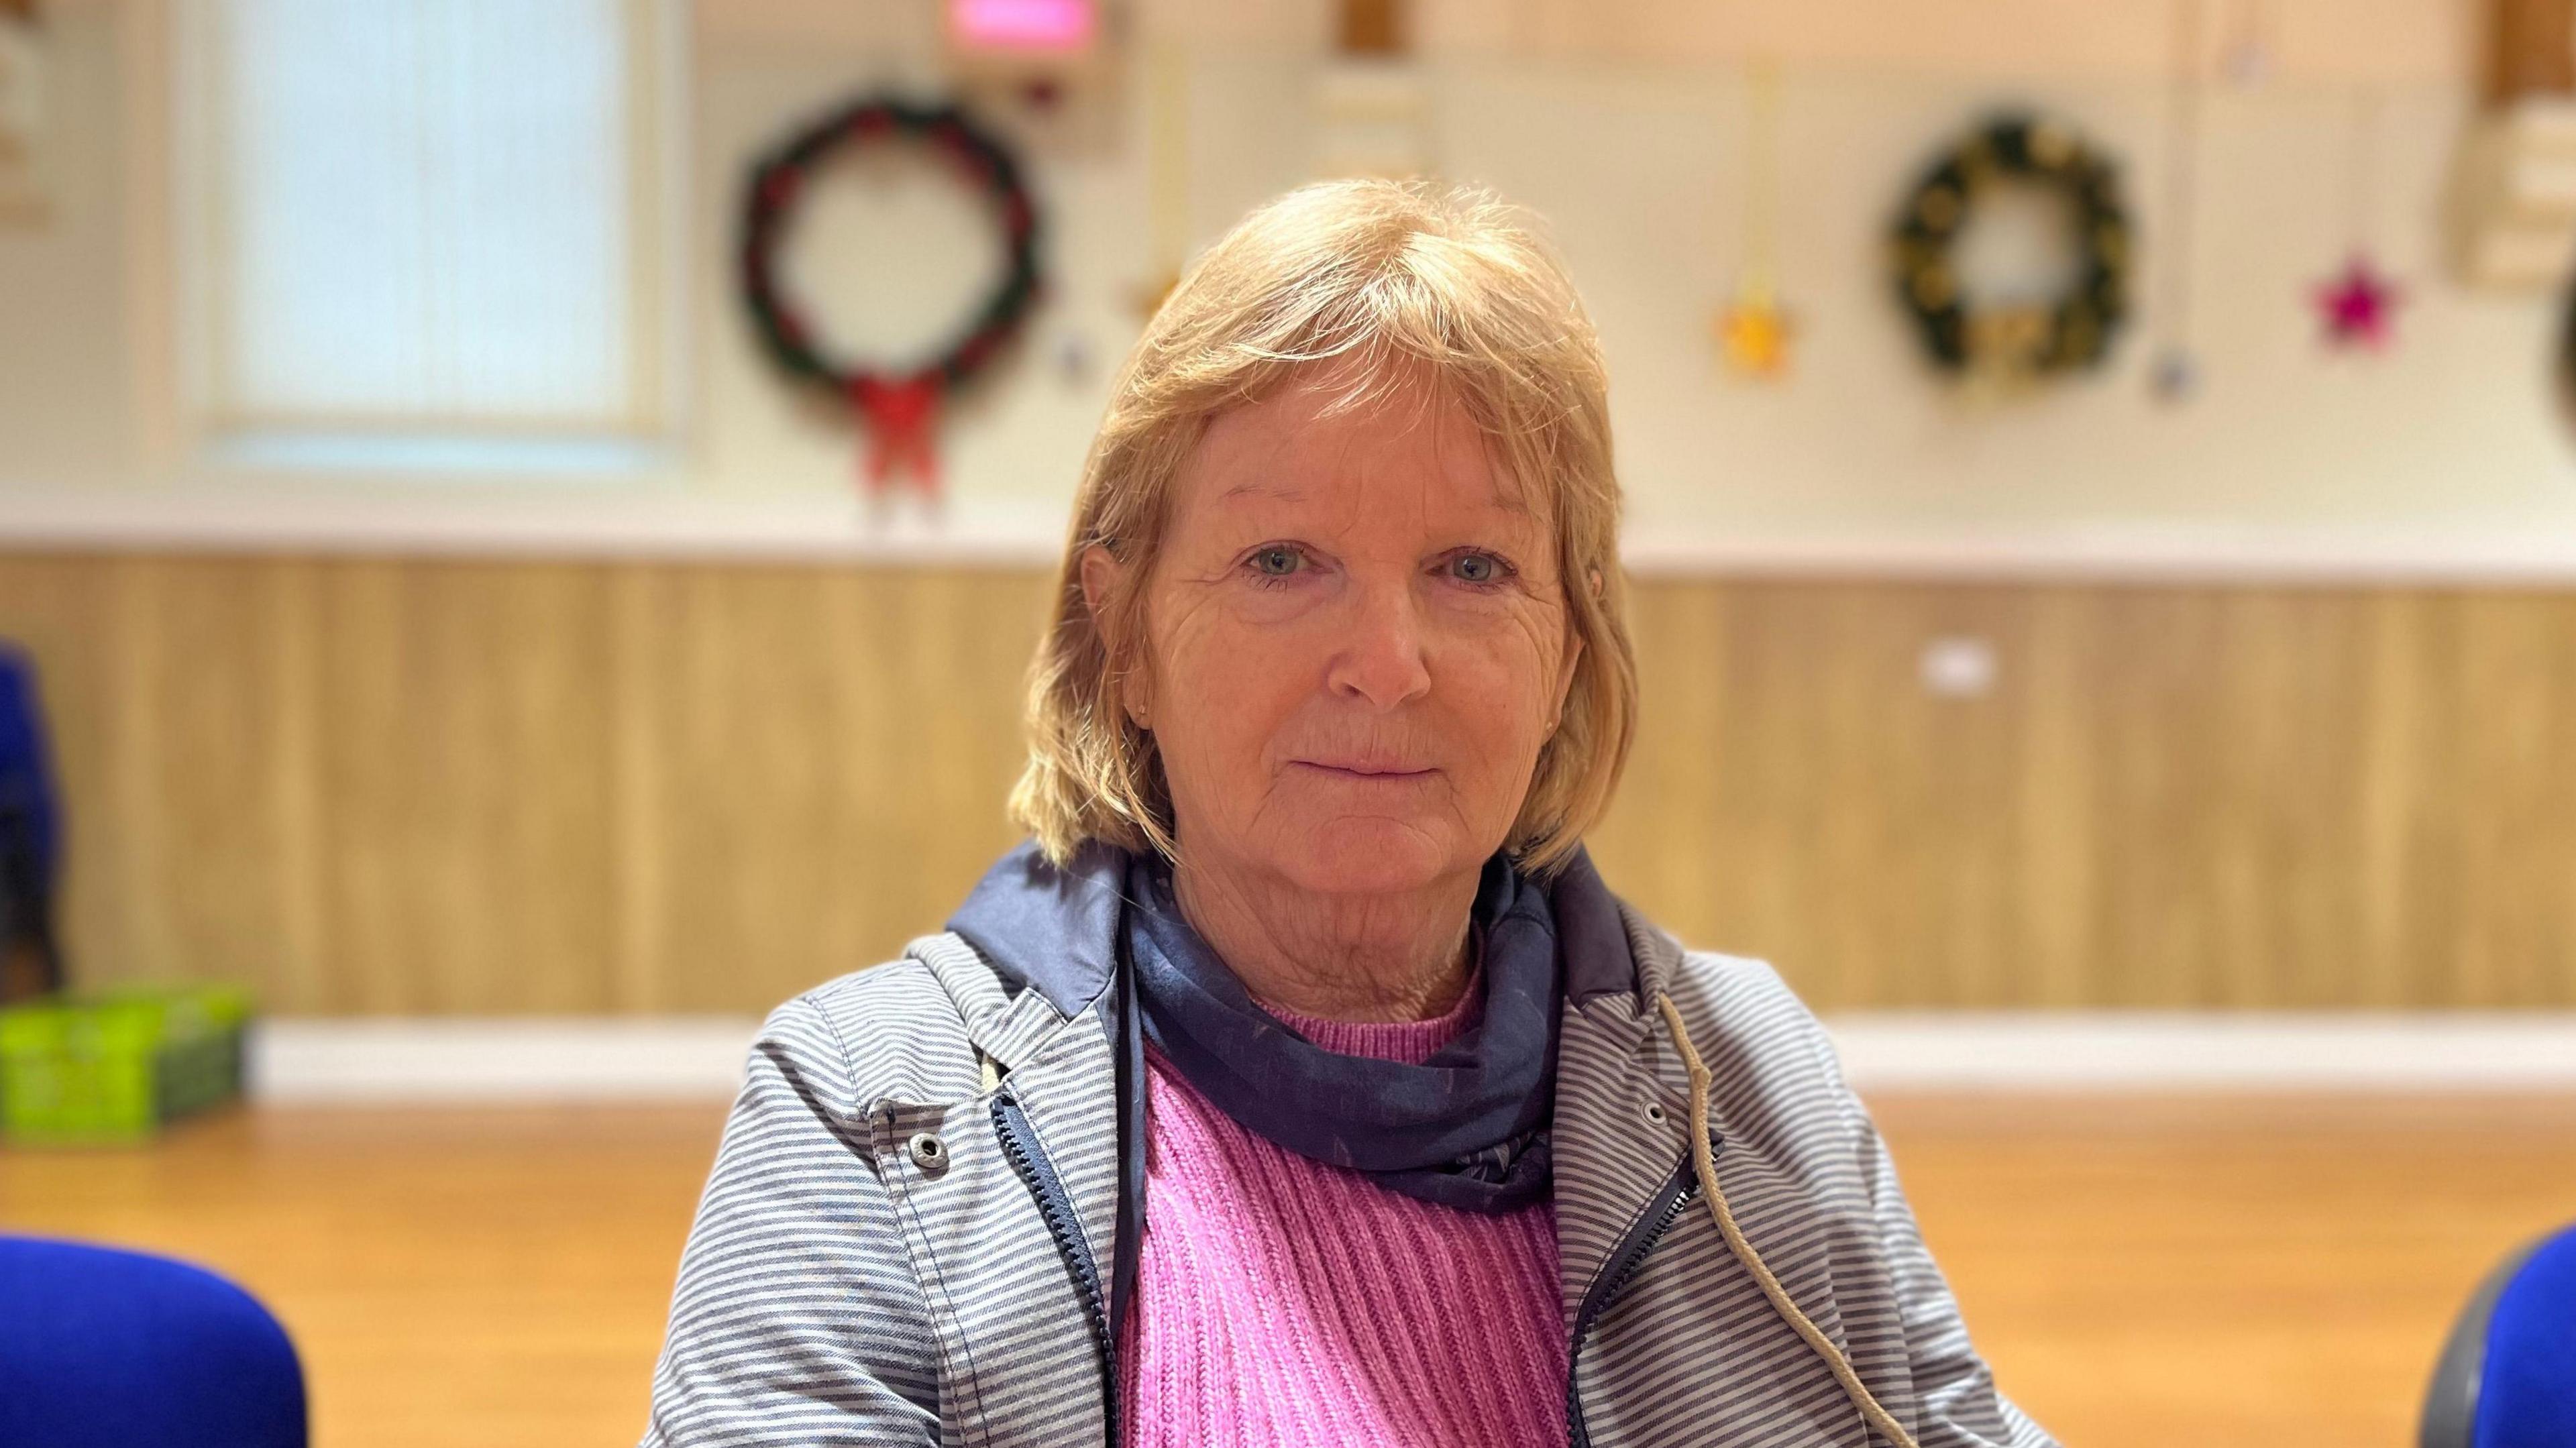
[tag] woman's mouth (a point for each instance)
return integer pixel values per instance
(1368, 773)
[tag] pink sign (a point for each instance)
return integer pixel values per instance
(1059, 26)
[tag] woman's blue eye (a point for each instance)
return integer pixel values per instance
(1275, 562)
(1477, 568)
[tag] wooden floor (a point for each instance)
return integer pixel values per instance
(2142, 1274)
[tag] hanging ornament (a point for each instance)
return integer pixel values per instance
(1076, 359)
(2175, 378)
(2249, 49)
(1754, 330)
(2004, 347)
(2358, 306)
(1754, 333)
(2174, 375)
(899, 407)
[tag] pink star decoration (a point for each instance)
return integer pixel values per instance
(2359, 307)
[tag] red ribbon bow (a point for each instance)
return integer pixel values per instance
(903, 429)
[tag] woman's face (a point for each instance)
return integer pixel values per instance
(1356, 644)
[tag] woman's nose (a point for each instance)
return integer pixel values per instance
(1379, 661)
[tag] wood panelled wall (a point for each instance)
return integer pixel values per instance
(416, 786)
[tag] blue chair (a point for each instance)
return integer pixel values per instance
(107, 1349)
(30, 837)
(2507, 1378)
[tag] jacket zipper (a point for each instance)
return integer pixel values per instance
(1020, 1145)
(1662, 1210)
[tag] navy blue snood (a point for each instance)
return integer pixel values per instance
(1466, 1128)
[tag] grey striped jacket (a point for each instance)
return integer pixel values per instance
(906, 1237)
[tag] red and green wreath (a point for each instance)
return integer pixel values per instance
(899, 406)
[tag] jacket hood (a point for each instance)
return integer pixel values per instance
(1057, 930)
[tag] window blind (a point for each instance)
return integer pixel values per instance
(428, 215)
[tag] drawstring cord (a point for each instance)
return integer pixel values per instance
(1704, 1166)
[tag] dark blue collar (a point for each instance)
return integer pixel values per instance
(1464, 1128)
(1059, 931)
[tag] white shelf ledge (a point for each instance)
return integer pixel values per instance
(469, 1061)
(2159, 1051)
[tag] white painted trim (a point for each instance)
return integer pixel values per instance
(651, 516)
(576, 1059)
(2133, 552)
(568, 517)
(2089, 1050)
(498, 1061)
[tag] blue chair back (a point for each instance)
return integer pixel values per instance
(2507, 1378)
(107, 1349)
(30, 830)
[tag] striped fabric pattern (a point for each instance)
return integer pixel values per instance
(843, 1287)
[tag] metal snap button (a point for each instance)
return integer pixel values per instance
(928, 1152)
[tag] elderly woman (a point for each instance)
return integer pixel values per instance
(1301, 1082)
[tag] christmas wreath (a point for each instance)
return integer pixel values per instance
(900, 406)
(2064, 334)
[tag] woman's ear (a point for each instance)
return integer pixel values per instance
(1104, 584)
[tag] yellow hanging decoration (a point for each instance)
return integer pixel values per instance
(1754, 333)
(1754, 330)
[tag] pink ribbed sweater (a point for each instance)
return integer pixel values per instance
(1283, 1301)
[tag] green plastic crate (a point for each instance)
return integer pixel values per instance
(117, 1066)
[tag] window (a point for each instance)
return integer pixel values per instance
(440, 224)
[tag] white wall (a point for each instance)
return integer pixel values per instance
(1623, 121)
(2450, 430)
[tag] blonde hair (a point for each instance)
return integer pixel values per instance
(1391, 284)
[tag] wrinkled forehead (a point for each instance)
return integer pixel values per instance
(1326, 418)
